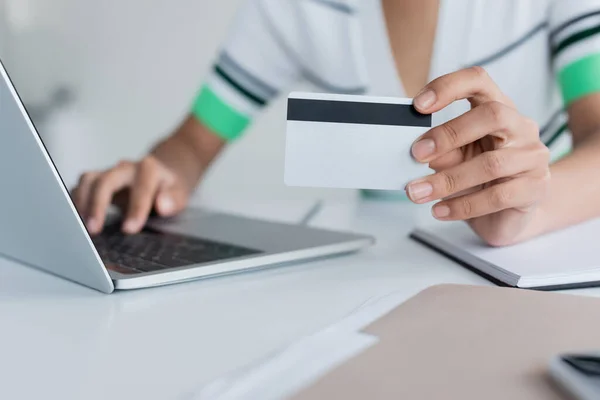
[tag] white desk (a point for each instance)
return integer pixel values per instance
(63, 341)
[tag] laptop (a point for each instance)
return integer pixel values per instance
(40, 226)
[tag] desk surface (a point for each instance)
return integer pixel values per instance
(61, 340)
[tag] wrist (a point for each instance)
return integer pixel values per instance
(537, 226)
(189, 151)
(178, 159)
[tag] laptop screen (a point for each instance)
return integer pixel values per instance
(34, 116)
(40, 224)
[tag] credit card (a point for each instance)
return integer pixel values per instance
(352, 142)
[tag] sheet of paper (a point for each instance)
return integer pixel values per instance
(297, 366)
(355, 142)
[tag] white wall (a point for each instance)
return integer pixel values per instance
(135, 66)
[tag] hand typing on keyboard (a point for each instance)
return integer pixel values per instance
(162, 181)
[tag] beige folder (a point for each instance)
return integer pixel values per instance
(466, 342)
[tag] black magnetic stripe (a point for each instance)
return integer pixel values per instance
(514, 45)
(570, 22)
(251, 96)
(346, 9)
(556, 134)
(577, 37)
(350, 112)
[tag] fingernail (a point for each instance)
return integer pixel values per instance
(419, 191)
(441, 211)
(130, 226)
(166, 204)
(425, 99)
(92, 225)
(423, 149)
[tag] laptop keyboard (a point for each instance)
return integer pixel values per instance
(150, 250)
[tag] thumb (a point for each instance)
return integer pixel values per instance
(170, 201)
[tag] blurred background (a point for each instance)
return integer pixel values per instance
(104, 80)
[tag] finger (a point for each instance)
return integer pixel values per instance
(171, 201)
(517, 193)
(105, 187)
(448, 160)
(121, 200)
(143, 192)
(81, 193)
(471, 83)
(486, 167)
(492, 118)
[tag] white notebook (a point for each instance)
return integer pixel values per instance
(565, 259)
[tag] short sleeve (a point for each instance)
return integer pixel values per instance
(575, 45)
(252, 68)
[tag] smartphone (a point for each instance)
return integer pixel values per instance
(578, 374)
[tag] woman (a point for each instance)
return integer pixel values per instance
(519, 64)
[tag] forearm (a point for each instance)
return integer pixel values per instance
(574, 194)
(190, 150)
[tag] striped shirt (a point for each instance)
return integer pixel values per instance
(544, 54)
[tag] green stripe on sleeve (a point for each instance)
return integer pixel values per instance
(218, 116)
(580, 78)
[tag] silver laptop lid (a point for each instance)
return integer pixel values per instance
(39, 224)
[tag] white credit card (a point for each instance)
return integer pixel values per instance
(348, 141)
